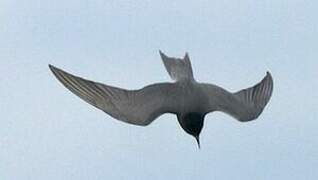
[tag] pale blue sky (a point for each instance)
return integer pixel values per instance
(48, 133)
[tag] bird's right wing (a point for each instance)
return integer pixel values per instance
(244, 105)
(138, 107)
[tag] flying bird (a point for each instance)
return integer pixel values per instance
(187, 98)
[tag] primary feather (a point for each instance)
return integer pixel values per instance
(139, 107)
(244, 105)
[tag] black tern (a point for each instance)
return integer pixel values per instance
(188, 99)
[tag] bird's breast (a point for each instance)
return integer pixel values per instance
(191, 99)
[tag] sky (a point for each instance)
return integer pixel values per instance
(46, 132)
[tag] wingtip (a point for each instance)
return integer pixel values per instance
(269, 75)
(162, 54)
(54, 69)
(51, 67)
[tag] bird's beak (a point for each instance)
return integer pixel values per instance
(198, 140)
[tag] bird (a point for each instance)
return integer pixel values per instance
(184, 97)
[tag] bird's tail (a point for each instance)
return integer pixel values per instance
(178, 69)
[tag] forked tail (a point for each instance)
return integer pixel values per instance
(178, 69)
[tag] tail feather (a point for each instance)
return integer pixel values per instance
(178, 69)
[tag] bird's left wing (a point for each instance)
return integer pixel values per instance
(138, 107)
(244, 105)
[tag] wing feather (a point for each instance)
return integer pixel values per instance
(139, 107)
(244, 105)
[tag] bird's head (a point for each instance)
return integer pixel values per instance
(192, 123)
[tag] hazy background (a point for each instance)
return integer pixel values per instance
(46, 132)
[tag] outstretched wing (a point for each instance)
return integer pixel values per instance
(244, 105)
(139, 107)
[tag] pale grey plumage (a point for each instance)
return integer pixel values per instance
(186, 98)
(244, 105)
(178, 69)
(139, 107)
